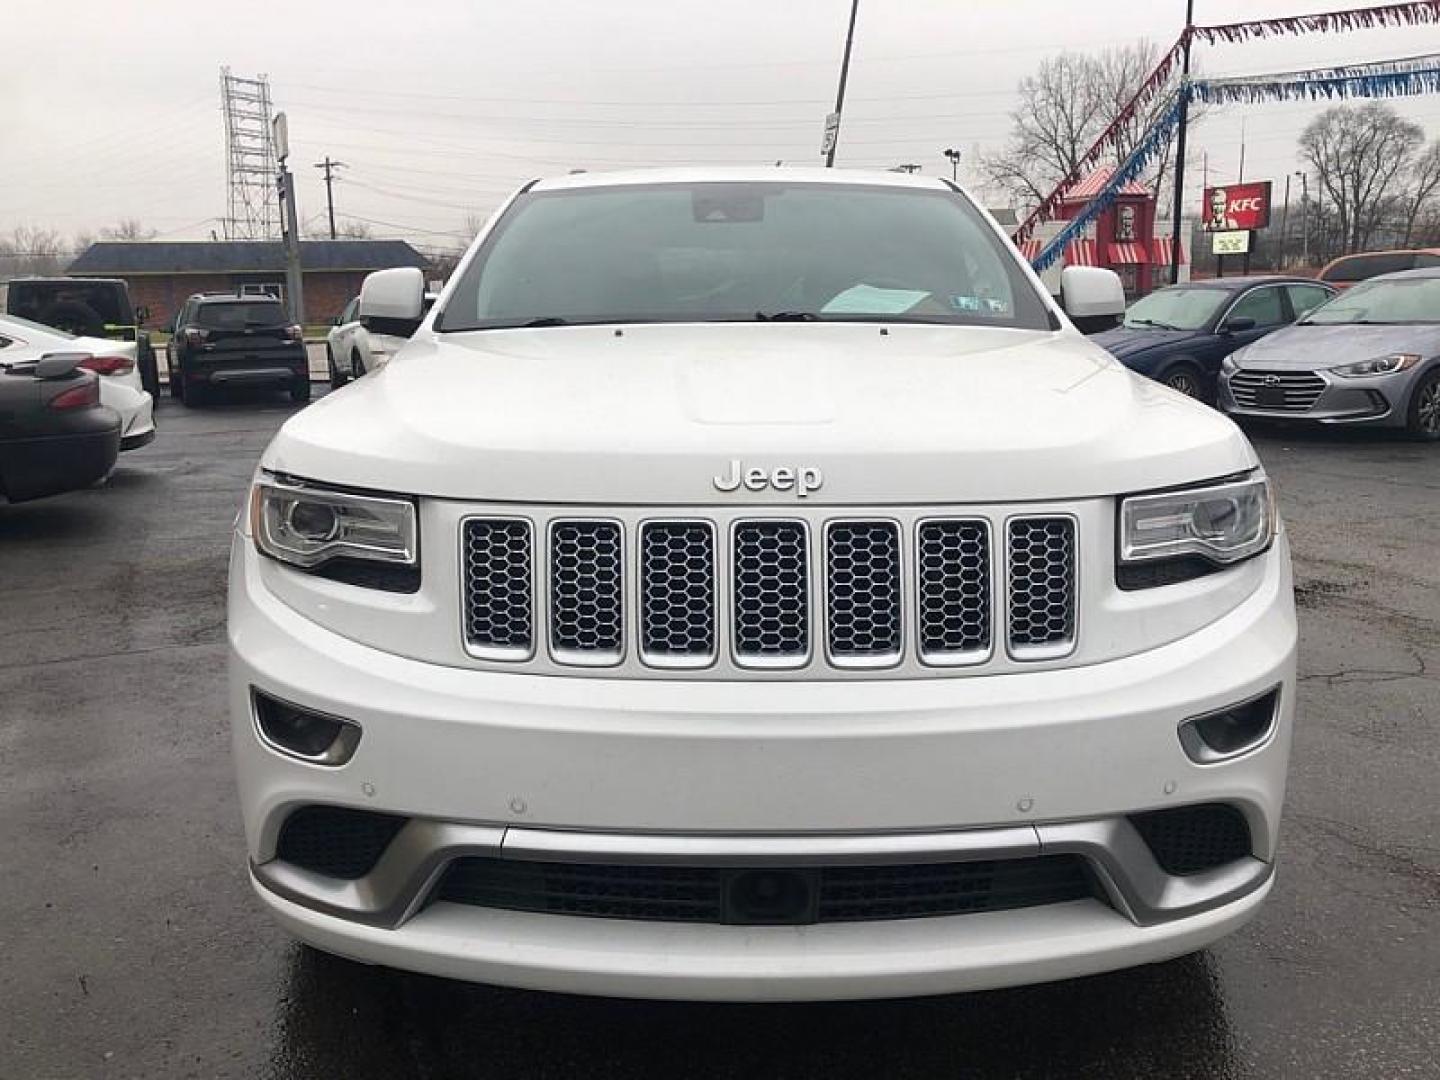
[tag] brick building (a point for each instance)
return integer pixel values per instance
(162, 273)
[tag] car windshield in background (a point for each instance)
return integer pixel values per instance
(1416, 300)
(239, 316)
(1175, 309)
(717, 252)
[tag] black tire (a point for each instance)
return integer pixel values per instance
(338, 378)
(149, 368)
(1423, 420)
(177, 381)
(300, 389)
(1186, 378)
(74, 317)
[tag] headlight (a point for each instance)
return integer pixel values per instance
(1229, 363)
(1380, 365)
(1222, 524)
(309, 527)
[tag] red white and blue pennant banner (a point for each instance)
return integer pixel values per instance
(1421, 13)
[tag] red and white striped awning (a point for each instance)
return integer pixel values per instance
(1077, 252)
(1128, 255)
(1160, 249)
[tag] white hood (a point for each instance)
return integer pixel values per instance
(648, 415)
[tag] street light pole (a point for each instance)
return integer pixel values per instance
(1285, 222)
(840, 93)
(1304, 218)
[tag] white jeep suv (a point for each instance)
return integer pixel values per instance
(749, 585)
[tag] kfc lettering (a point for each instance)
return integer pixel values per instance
(1237, 206)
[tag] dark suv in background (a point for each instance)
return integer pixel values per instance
(223, 340)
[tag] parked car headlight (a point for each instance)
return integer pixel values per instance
(1221, 523)
(1229, 363)
(310, 527)
(1379, 365)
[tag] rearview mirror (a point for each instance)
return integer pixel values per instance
(1088, 292)
(1237, 325)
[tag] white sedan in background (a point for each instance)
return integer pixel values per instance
(352, 349)
(113, 361)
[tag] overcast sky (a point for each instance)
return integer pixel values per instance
(111, 109)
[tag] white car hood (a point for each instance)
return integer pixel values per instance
(650, 414)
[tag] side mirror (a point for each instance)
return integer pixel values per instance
(142, 314)
(397, 294)
(1087, 292)
(1237, 325)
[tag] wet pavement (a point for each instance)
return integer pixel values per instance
(130, 945)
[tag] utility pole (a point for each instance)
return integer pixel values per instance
(285, 184)
(834, 137)
(954, 156)
(1241, 178)
(1304, 218)
(1284, 222)
(1180, 142)
(330, 167)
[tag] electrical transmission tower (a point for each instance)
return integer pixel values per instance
(250, 158)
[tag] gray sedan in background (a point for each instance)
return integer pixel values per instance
(1369, 357)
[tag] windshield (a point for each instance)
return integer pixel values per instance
(711, 252)
(240, 315)
(1412, 300)
(1175, 309)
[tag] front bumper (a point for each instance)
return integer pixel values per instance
(490, 760)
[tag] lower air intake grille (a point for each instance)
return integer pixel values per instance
(863, 586)
(953, 567)
(677, 592)
(1042, 586)
(335, 840)
(765, 896)
(586, 619)
(772, 609)
(499, 571)
(1190, 839)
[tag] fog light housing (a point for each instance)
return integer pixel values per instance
(316, 737)
(1231, 731)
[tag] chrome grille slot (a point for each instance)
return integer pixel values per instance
(771, 594)
(953, 579)
(677, 593)
(586, 583)
(1300, 389)
(496, 555)
(1042, 587)
(862, 587)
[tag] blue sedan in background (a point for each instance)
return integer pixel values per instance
(1179, 335)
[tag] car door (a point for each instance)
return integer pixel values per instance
(1266, 305)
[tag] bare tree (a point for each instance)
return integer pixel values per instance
(1425, 182)
(30, 249)
(128, 229)
(1065, 106)
(353, 229)
(1360, 153)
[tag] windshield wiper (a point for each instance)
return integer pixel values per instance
(786, 316)
(1152, 322)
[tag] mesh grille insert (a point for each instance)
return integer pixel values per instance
(585, 587)
(863, 589)
(1042, 583)
(1190, 839)
(498, 584)
(772, 609)
(715, 895)
(335, 840)
(677, 583)
(953, 569)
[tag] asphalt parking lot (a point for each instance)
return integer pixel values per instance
(130, 945)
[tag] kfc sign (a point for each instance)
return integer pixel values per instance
(1237, 206)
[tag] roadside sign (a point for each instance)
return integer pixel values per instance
(1236, 206)
(1230, 243)
(832, 132)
